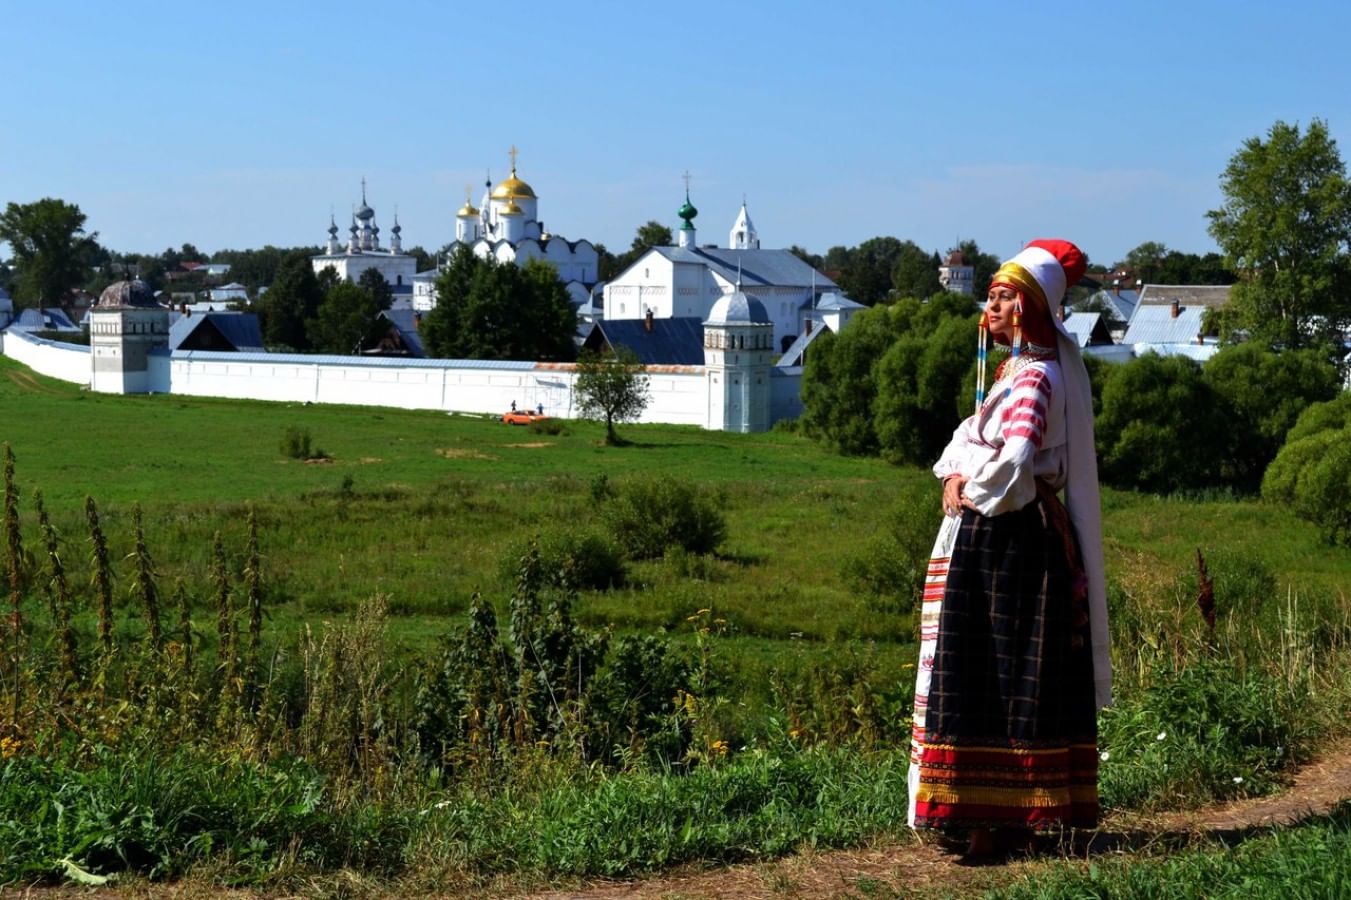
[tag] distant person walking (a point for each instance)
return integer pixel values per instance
(1014, 662)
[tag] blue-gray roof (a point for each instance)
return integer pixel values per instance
(239, 330)
(738, 308)
(671, 342)
(794, 355)
(49, 319)
(1087, 328)
(834, 300)
(1156, 325)
(406, 320)
(322, 359)
(757, 267)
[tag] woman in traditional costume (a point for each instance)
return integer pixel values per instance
(1014, 662)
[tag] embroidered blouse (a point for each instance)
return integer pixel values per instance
(1019, 435)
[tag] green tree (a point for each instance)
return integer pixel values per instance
(1286, 228)
(378, 287)
(344, 319)
(612, 387)
(815, 260)
(1145, 262)
(1267, 391)
(650, 234)
(915, 273)
(1163, 427)
(984, 264)
(50, 249)
(291, 303)
(491, 310)
(867, 269)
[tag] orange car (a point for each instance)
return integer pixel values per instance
(522, 417)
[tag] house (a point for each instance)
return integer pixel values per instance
(50, 318)
(1170, 330)
(1088, 328)
(234, 292)
(396, 334)
(223, 331)
(656, 342)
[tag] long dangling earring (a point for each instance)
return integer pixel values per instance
(982, 343)
(1017, 326)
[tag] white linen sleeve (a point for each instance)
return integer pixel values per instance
(1006, 482)
(954, 454)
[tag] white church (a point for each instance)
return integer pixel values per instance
(687, 280)
(363, 251)
(506, 226)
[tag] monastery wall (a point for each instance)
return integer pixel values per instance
(68, 362)
(678, 394)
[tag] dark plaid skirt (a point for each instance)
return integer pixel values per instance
(1011, 729)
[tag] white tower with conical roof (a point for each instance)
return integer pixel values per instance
(743, 235)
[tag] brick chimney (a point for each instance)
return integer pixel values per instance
(417, 321)
(807, 327)
(1175, 309)
(647, 322)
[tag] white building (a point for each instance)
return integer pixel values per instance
(507, 227)
(363, 251)
(956, 276)
(687, 280)
(738, 357)
(124, 326)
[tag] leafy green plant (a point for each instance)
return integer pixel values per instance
(648, 516)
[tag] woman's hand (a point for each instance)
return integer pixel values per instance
(953, 499)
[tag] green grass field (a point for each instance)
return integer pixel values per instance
(428, 509)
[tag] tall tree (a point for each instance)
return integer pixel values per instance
(612, 387)
(344, 319)
(291, 303)
(866, 272)
(50, 249)
(915, 273)
(491, 310)
(1286, 228)
(379, 288)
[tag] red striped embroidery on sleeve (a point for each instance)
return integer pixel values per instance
(1024, 415)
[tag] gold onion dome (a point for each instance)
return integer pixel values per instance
(514, 189)
(511, 209)
(467, 209)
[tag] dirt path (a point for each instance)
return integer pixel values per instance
(914, 866)
(26, 381)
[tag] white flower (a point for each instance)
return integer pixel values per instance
(1161, 735)
(1104, 756)
(1280, 751)
(1238, 779)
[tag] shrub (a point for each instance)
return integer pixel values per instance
(1267, 392)
(1333, 415)
(890, 567)
(582, 560)
(1163, 427)
(648, 516)
(1312, 475)
(296, 443)
(548, 426)
(1280, 483)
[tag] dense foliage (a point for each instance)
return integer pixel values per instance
(611, 387)
(487, 309)
(51, 248)
(890, 382)
(1312, 472)
(1286, 227)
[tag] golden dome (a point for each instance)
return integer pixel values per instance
(511, 209)
(467, 210)
(514, 189)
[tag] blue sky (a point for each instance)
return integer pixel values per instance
(242, 124)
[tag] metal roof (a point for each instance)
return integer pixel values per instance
(1156, 325)
(49, 319)
(1185, 294)
(406, 320)
(833, 300)
(1087, 328)
(757, 267)
(671, 342)
(1123, 303)
(302, 359)
(239, 329)
(793, 356)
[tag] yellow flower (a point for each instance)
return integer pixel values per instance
(719, 747)
(793, 732)
(9, 747)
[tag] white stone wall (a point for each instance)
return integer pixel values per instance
(68, 362)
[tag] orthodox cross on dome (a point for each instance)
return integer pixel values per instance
(363, 190)
(686, 179)
(512, 153)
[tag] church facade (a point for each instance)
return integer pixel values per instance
(363, 251)
(688, 280)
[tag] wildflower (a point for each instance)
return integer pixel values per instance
(793, 732)
(907, 665)
(1280, 750)
(704, 612)
(719, 747)
(9, 747)
(1238, 779)
(1104, 756)
(1161, 735)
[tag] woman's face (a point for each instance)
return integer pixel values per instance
(999, 306)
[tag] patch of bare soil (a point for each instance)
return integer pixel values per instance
(532, 445)
(463, 453)
(27, 382)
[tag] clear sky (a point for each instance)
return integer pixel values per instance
(242, 124)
